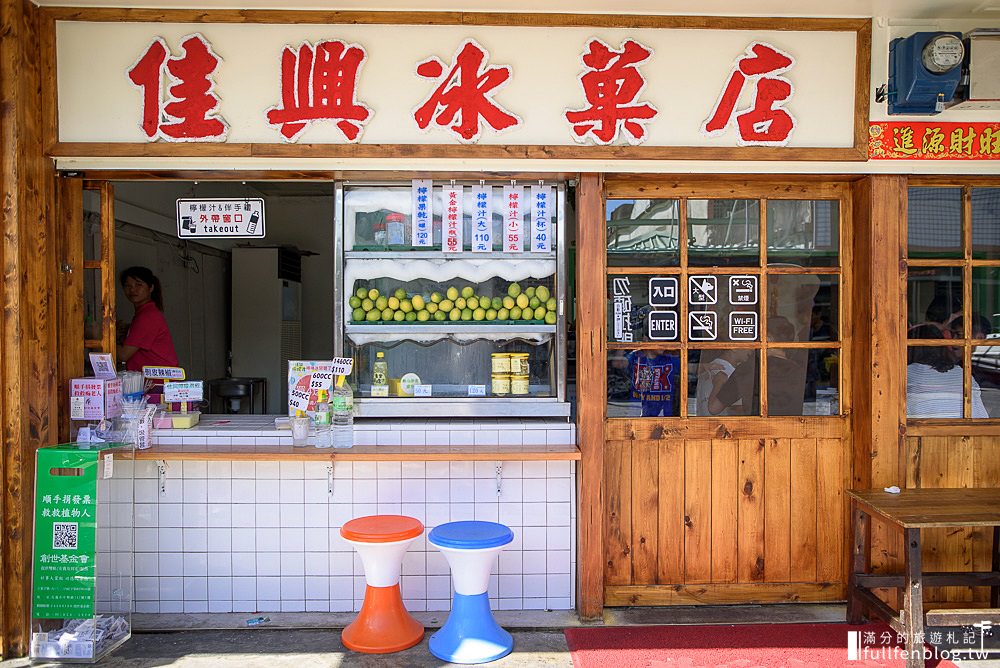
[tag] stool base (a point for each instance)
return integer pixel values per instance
(471, 635)
(383, 625)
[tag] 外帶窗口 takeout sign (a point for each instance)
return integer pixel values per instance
(440, 84)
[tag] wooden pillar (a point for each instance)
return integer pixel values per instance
(28, 398)
(878, 376)
(591, 388)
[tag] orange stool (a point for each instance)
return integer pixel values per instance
(383, 625)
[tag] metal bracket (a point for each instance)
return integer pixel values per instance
(329, 478)
(161, 472)
(499, 477)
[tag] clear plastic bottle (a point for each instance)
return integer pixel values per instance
(321, 418)
(380, 371)
(343, 414)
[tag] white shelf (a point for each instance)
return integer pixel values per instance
(451, 328)
(441, 255)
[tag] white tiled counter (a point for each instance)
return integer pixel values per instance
(250, 524)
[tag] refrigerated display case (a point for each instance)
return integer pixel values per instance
(447, 319)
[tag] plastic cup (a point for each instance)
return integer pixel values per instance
(300, 430)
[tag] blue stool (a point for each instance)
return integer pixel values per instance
(470, 635)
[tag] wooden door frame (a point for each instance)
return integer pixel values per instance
(592, 350)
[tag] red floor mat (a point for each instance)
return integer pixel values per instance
(742, 646)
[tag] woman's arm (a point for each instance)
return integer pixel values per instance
(125, 353)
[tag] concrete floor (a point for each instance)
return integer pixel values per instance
(305, 641)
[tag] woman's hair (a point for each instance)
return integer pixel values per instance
(145, 275)
(938, 358)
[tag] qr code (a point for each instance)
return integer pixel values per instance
(64, 535)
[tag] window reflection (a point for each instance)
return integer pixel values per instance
(803, 232)
(723, 382)
(986, 223)
(644, 383)
(643, 232)
(807, 306)
(723, 232)
(934, 379)
(934, 222)
(934, 297)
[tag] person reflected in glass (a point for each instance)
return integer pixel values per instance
(934, 379)
(148, 341)
(653, 377)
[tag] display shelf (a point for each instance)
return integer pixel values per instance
(491, 406)
(250, 452)
(441, 255)
(450, 328)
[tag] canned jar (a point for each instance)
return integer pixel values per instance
(519, 364)
(500, 384)
(519, 385)
(500, 362)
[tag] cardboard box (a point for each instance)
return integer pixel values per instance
(95, 398)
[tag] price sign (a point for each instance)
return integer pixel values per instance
(482, 219)
(477, 390)
(380, 390)
(320, 380)
(298, 400)
(512, 219)
(451, 221)
(541, 235)
(422, 390)
(163, 372)
(342, 366)
(423, 232)
(192, 390)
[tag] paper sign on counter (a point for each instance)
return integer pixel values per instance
(298, 400)
(342, 366)
(103, 365)
(380, 390)
(477, 390)
(422, 390)
(321, 380)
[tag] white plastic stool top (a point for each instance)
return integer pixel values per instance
(471, 548)
(470, 569)
(381, 542)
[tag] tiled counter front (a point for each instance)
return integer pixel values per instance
(263, 536)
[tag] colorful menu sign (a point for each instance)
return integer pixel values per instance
(229, 217)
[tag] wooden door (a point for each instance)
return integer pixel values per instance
(726, 447)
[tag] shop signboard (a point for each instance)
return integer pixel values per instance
(222, 218)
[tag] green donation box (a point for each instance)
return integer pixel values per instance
(82, 569)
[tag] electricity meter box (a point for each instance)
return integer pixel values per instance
(82, 565)
(924, 72)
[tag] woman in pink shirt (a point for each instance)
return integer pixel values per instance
(148, 340)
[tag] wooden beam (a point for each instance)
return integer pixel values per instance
(69, 298)
(745, 593)
(591, 361)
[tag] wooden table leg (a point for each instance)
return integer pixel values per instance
(995, 589)
(913, 601)
(860, 562)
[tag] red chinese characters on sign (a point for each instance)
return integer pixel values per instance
(905, 140)
(611, 85)
(189, 111)
(320, 83)
(766, 122)
(463, 100)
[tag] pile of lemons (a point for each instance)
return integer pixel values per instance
(455, 305)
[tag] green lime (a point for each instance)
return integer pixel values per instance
(411, 316)
(467, 314)
(479, 314)
(382, 303)
(440, 316)
(355, 302)
(551, 304)
(503, 314)
(472, 302)
(527, 314)
(522, 301)
(362, 293)
(543, 293)
(373, 294)
(467, 291)
(497, 303)
(460, 303)
(436, 297)
(418, 303)
(513, 290)
(550, 318)
(530, 291)
(400, 293)
(357, 315)
(491, 314)
(446, 306)
(406, 306)
(387, 314)
(508, 303)
(423, 316)
(452, 292)
(455, 315)
(540, 313)
(367, 304)
(534, 302)
(515, 313)
(393, 303)
(372, 316)
(432, 308)
(399, 316)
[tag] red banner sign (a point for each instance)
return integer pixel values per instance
(908, 140)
